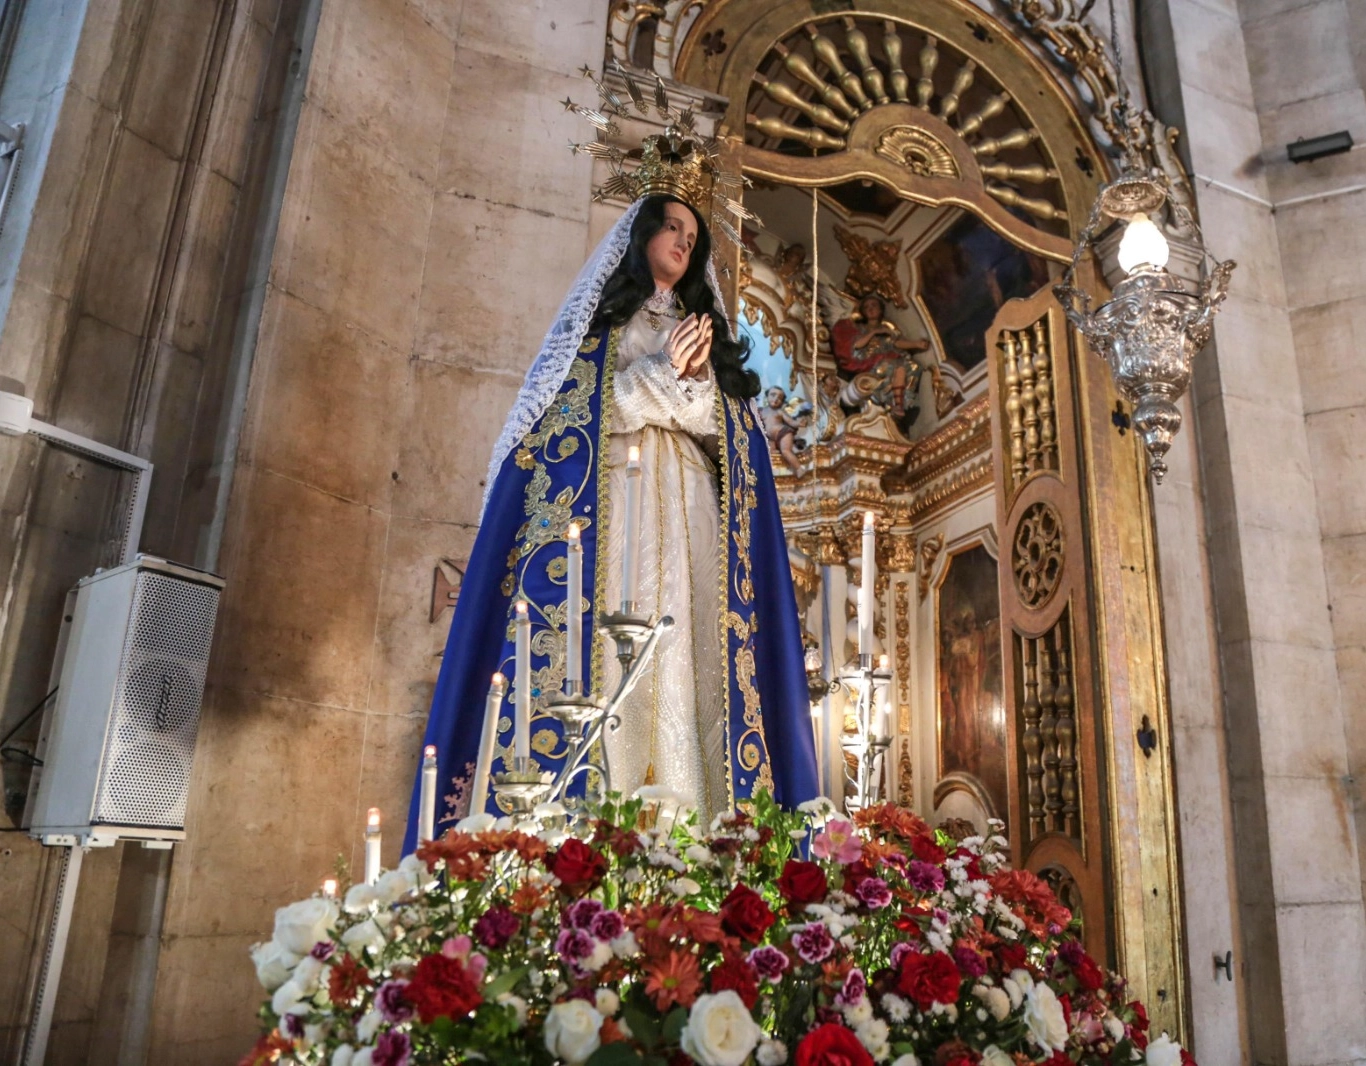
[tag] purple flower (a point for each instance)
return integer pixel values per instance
(924, 876)
(769, 962)
(940, 915)
(573, 945)
(855, 988)
(1071, 952)
(898, 950)
(608, 925)
(496, 927)
(813, 943)
(391, 1049)
(391, 1001)
(580, 915)
(294, 1025)
(322, 950)
(875, 892)
(969, 961)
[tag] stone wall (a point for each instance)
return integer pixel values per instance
(430, 225)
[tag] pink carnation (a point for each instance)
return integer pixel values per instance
(813, 943)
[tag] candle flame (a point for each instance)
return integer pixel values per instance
(499, 680)
(868, 517)
(522, 607)
(372, 817)
(884, 661)
(633, 454)
(573, 531)
(330, 887)
(429, 752)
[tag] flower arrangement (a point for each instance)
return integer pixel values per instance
(634, 938)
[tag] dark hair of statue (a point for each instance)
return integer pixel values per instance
(632, 283)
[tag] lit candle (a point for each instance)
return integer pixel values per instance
(573, 670)
(522, 679)
(884, 662)
(865, 597)
(426, 807)
(330, 888)
(488, 740)
(372, 841)
(631, 537)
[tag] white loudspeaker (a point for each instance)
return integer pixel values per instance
(117, 744)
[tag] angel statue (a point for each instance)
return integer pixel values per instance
(641, 355)
(874, 357)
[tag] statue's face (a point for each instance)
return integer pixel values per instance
(776, 396)
(670, 250)
(872, 309)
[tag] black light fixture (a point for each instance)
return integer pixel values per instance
(1306, 151)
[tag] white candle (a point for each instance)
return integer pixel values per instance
(522, 679)
(630, 546)
(426, 807)
(573, 670)
(372, 841)
(488, 740)
(865, 597)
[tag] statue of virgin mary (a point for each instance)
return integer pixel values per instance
(640, 356)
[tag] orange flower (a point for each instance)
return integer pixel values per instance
(1031, 899)
(701, 927)
(890, 818)
(526, 897)
(674, 979)
(654, 925)
(611, 1033)
(267, 1050)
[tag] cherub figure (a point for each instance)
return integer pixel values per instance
(780, 427)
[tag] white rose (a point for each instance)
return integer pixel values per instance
(364, 1057)
(273, 964)
(394, 885)
(1114, 1028)
(301, 925)
(771, 1053)
(720, 1030)
(994, 1056)
(1163, 1052)
(607, 1002)
(286, 996)
(571, 1030)
(1047, 1024)
(365, 935)
(517, 1003)
(360, 898)
(476, 823)
(345, 1055)
(907, 1059)
(306, 974)
(369, 1025)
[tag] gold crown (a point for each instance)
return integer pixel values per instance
(678, 162)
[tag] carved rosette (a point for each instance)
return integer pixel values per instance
(1037, 555)
(918, 151)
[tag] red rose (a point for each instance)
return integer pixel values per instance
(1140, 1015)
(928, 979)
(956, 1053)
(442, 986)
(803, 882)
(926, 850)
(738, 975)
(832, 1044)
(1088, 974)
(1012, 957)
(1187, 1059)
(577, 865)
(1059, 1058)
(745, 914)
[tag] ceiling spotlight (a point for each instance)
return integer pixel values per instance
(1306, 151)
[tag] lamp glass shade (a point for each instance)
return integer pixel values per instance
(1142, 245)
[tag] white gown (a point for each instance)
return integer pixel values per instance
(673, 720)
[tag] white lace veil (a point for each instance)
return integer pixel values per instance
(561, 344)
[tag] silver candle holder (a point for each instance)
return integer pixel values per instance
(867, 745)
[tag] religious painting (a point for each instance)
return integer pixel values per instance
(965, 278)
(972, 723)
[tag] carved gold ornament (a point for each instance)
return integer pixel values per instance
(872, 266)
(920, 152)
(1037, 555)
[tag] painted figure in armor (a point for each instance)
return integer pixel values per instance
(641, 356)
(875, 358)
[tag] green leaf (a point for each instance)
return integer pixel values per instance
(504, 982)
(673, 1025)
(644, 1025)
(618, 1054)
(442, 1030)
